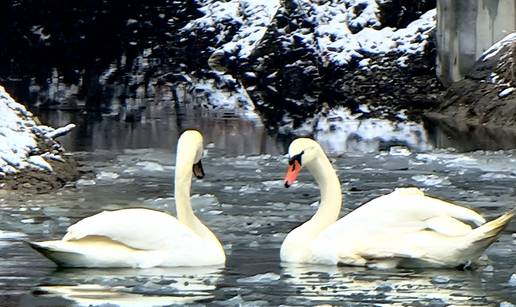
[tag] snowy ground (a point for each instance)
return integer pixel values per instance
(21, 137)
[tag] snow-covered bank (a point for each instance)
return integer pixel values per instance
(28, 148)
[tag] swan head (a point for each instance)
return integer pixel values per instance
(188, 141)
(301, 152)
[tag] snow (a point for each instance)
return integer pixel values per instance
(343, 29)
(341, 131)
(494, 49)
(431, 180)
(60, 131)
(342, 32)
(18, 138)
(260, 278)
(506, 92)
(339, 45)
(220, 98)
(256, 16)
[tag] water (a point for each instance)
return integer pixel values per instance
(243, 201)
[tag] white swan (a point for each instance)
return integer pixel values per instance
(402, 229)
(144, 238)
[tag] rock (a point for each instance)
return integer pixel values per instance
(486, 96)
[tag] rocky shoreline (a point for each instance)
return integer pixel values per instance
(31, 160)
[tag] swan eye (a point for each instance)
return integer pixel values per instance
(295, 158)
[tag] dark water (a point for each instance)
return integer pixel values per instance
(243, 201)
(160, 128)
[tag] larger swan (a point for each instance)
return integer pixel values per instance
(144, 238)
(402, 229)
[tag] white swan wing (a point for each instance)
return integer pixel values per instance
(400, 224)
(140, 228)
(408, 209)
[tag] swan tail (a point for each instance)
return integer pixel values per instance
(486, 234)
(55, 251)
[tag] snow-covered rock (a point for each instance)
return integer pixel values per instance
(26, 145)
(340, 31)
(295, 57)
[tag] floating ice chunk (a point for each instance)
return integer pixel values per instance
(260, 278)
(273, 183)
(506, 304)
(512, 280)
(488, 269)
(28, 221)
(385, 287)
(107, 176)
(85, 182)
(491, 176)
(431, 180)
(151, 166)
(5, 235)
(440, 279)
(203, 201)
(234, 301)
(399, 151)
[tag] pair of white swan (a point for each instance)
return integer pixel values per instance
(404, 228)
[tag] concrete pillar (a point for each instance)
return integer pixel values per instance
(465, 29)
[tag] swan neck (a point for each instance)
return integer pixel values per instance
(295, 247)
(182, 185)
(329, 186)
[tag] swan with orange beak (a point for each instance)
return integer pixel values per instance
(405, 228)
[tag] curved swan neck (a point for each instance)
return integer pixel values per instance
(182, 184)
(295, 246)
(329, 185)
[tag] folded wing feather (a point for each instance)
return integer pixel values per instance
(137, 228)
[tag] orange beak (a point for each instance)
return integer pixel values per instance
(292, 172)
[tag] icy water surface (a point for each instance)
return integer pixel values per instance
(242, 199)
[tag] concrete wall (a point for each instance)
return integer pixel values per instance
(465, 29)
